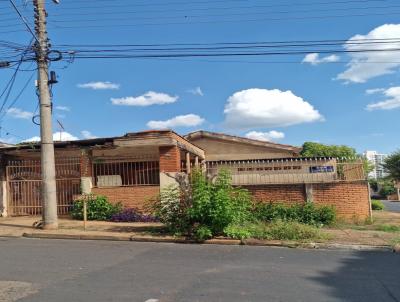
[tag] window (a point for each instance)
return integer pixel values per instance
(107, 173)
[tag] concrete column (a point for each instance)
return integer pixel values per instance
(86, 185)
(309, 193)
(4, 200)
(188, 168)
(170, 166)
(196, 161)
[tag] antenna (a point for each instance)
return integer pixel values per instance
(61, 129)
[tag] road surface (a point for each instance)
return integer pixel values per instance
(62, 270)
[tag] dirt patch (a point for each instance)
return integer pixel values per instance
(11, 291)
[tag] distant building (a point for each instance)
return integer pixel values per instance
(377, 159)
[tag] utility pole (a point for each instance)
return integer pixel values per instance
(49, 194)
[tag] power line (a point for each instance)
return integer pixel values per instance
(222, 15)
(24, 20)
(128, 26)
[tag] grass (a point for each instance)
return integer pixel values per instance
(277, 230)
(390, 228)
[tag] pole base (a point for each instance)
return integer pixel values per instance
(50, 226)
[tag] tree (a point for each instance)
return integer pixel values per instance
(311, 149)
(392, 165)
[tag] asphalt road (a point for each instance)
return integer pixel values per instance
(391, 206)
(56, 270)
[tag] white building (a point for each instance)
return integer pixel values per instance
(377, 160)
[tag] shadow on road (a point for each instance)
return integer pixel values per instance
(364, 276)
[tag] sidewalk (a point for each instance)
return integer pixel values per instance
(345, 237)
(18, 226)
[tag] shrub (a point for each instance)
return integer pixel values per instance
(202, 203)
(387, 188)
(132, 215)
(171, 210)
(276, 230)
(308, 213)
(98, 208)
(202, 232)
(377, 205)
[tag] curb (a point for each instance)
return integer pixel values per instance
(75, 237)
(248, 242)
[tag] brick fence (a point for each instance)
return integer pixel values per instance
(130, 197)
(350, 199)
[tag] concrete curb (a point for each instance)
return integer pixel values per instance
(248, 242)
(75, 237)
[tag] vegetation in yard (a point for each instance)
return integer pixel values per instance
(202, 209)
(377, 205)
(390, 228)
(276, 230)
(307, 214)
(98, 208)
(132, 215)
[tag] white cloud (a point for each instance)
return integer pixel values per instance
(18, 113)
(87, 134)
(315, 59)
(100, 86)
(262, 108)
(265, 136)
(366, 65)
(374, 90)
(57, 136)
(63, 108)
(196, 91)
(147, 99)
(392, 100)
(189, 120)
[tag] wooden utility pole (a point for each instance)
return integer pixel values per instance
(49, 195)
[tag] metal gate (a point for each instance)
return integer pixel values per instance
(24, 186)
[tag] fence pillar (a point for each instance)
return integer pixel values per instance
(188, 167)
(4, 203)
(309, 192)
(170, 165)
(86, 185)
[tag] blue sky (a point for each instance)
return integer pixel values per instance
(252, 91)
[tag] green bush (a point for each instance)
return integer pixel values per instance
(203, 203)
(387, 188)
(377, 205)
(307, 214)
(98, 208)
(276, 230)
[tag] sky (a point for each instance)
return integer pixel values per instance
(344, 98)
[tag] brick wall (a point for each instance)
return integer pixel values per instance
(131, 197)
(350, 199)
(287, 194)
(170, 159)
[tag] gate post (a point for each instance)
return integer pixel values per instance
(4, 200)
(86, 172)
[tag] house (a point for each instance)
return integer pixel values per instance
(219, 146)
(129, 169)
(132, 169)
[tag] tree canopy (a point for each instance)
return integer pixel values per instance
(392, 165)
(311, 149)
